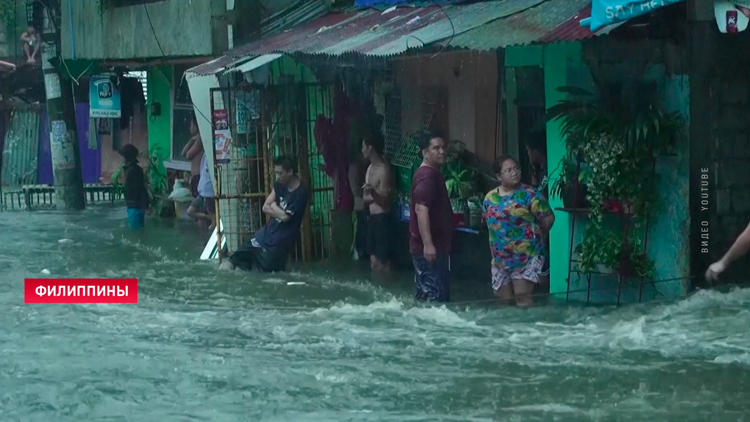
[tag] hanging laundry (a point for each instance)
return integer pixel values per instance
(332, 140)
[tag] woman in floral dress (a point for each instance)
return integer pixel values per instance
(518, 218)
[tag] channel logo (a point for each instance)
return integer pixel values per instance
(80, 290)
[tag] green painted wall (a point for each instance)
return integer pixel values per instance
(556, 57)
(532, 55)
(160, 127)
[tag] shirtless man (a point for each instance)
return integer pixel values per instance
(31, 43)
(378, 196)
(193, 152)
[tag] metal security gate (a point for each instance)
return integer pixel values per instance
(251, 126)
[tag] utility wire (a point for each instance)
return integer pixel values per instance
(453, 28)
(148, 15)
(164, 56)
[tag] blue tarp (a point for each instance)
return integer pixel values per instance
(608, 12)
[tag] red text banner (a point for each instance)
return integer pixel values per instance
(81, 290)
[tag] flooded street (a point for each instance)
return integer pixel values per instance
(207, 346)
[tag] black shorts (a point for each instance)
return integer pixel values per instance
(380, 230)
(194, 184)
(204, 205)
(267, 260)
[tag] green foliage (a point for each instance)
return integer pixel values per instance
(158, 186)
(8, 17)
(459, 180)
(607, 247)
(583, 118)
(118, 188)
(157, 180)
(613, 153)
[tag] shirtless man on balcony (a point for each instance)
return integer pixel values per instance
(31, 43)
(378, 196)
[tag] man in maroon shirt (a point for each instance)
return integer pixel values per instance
(431, 223)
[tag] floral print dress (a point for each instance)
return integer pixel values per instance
(513, 223)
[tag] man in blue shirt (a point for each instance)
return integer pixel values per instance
(285, 207)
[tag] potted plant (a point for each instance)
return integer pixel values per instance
(613, 150)
(459, 180)
(570, 185)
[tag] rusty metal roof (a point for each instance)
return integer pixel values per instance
(549, 22)
(484, 25)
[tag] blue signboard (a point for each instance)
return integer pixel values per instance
(608, 12)
(104, 99)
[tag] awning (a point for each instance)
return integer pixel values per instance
(485, 25)
(255, 63)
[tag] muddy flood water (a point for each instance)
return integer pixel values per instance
(207, 346)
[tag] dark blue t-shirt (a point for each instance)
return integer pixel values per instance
(278, 233)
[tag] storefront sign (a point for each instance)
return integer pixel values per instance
(608, 12)
(732, 16)
(222, 136)
(104, 100)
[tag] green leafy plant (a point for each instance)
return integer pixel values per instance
(606, 247)
(614, 151)
(157, 181)
(158, 186)
(459, 180)
(8, 15)
(118, 188)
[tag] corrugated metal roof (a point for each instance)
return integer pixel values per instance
(549, 22)
(300, 12)
(486, 25)
(21, 149)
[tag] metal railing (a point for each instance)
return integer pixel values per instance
(31, 197)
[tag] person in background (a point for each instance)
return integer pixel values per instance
(739, 248)
(31, 43)
(431, 223)
(357, 174)
(536, 149)
(286, 206)
(378, 196)
(137, 198)
(203, 207)
(193, 152)
(517, 219)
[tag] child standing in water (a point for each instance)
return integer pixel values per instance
(136, 195)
